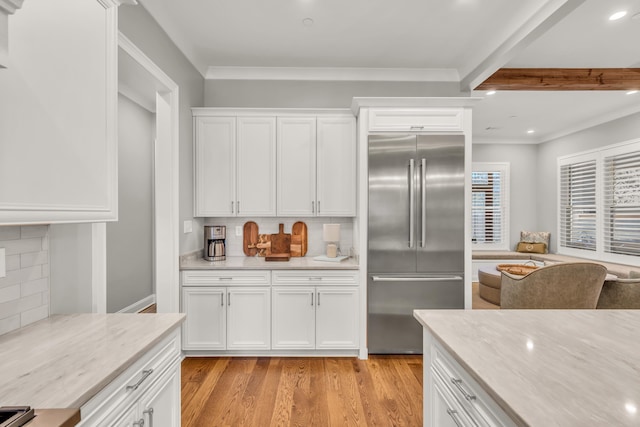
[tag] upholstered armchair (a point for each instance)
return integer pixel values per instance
(620, 293)
(566, 285)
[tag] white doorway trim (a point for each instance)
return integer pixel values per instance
(166, 181)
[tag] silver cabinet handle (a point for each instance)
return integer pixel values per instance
(231, 206)
(139, 423)
(238, 205)
(311, 298)
(145, 375)
(416, 279)
(458, 383)
(315, 278)
(417, 127)
(412, 201)
(313, 210)
(225, 278)
(318, 299)
(454, 416)
(318, 206)
(221, 299)
(150, 413)
(423, 210)
(229, 299)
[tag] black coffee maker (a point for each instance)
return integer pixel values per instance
(214, 242)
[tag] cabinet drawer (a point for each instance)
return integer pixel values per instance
(225, 277)
(417, 119)
(123, 391)
(314, 277)
(469, 393)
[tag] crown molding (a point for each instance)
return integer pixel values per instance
(9, 7)
(332, 74)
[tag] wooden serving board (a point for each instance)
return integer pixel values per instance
(264, 244)
(250, 238)
(277, 257)
(281, 242)
(299, 239)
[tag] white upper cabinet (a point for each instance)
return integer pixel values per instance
(336, 160)
(235, 164)
(58, 114)
(417, 119)
(296, 166)
(215, 154)
(264, 163)
(256, 166)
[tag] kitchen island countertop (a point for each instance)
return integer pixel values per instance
(259, 263)
(549, 367)
(63, 361)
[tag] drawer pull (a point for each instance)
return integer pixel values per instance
(311, 298)
(145, 375)
(150, 413)
(315, 278)
(458, 383)
(454, 416)
(225, 278)
(417, 127)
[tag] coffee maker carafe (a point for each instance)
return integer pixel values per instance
(214, 242)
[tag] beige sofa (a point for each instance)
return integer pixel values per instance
(490, 279)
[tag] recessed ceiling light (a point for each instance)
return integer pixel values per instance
(617, 15)
(307, 22)
(530, 131)
(491, 92)
(631, 92)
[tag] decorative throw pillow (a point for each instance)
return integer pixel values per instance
(536, 237)
(532, 248)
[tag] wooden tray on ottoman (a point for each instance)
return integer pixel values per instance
(518, 269)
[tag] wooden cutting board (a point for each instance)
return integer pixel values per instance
(250, 238)
(281, 242)
(299, 239)
(264, 244)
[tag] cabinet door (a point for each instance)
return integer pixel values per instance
(296, 166)
(336, 160)
(205, 325)
(293, 318)
(160, 405)
(337, 317)
(256, 166)
(128, 419)
(248, 318)
(215, 166)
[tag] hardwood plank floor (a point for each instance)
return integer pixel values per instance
(302, 392)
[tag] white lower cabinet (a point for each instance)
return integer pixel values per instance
(452, 397)
(232, 317)
(315, 317)
(145, 394)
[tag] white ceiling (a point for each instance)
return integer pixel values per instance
(423, 40)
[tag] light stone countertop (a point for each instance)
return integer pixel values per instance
(63, 361)
(549, 368)
(259, 263)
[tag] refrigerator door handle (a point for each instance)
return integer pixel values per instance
(423, 196)
(415, 279)
(412, 201)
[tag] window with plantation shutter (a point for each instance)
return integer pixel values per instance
(622, 204)
(578, 205)
(489, 207)
(599, 201)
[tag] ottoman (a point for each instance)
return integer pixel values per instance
(489, 284)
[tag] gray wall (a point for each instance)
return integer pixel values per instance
(522, 185)
(130, 239)
(624, 129)
(312, 94)
(136, 23)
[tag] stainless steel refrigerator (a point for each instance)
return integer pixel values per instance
(415, 234)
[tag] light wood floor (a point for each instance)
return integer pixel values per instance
(382, 391)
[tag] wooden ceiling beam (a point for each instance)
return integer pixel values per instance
(563, 79)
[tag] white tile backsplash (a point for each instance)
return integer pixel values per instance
(24, 292)
(315, 244)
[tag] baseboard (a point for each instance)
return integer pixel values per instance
(139, 305)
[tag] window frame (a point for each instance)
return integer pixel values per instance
(598, 155)
(504, 169)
